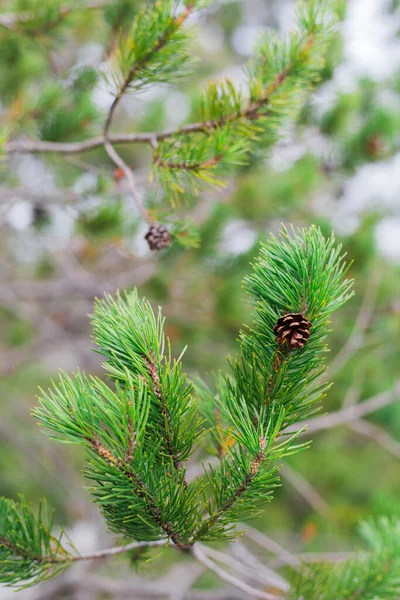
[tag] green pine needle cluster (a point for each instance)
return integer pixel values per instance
(155, 50)
(271, 388)
(140, 430)
(234, 122)
(29, 553)
(371, 575)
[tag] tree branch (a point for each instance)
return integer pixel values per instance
(198, 553)
(250, 112)
(271, 545)
(252, 572)
(118, 550)
(141, 490)
(346, 415)
(306, 490)
(167, 422)
(378, 434)
(236, 493)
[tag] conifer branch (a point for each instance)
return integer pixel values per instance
(135, 69)
(250, 112)
(187, 166)
(141, 490)
(167, 422)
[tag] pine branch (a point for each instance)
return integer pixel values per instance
(148, 20)
(141, 490)
(167, 421)
(365, 576)
(264, 397)
(174, 24)
(28, 551)
(231, 125)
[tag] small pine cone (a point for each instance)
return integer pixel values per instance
(158, 237)
(294, 329)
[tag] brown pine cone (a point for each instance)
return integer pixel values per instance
(294, 329)
(158, 237)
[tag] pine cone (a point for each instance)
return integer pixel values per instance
(294, 329)
(158, 237)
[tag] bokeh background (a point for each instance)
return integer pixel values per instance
(69, 232)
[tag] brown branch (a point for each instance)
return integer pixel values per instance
(140, 489)
(187, 166)
(237, 493)
(25, 553)
(131, 442)
(167, 422)
(250, 112)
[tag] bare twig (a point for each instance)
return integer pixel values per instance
(117, 550)
(306, 490)
(198, 554)
(271, 578)
(356, 339)
(271, 545)
(379, 435)
(119, 162)
(347, 415)
(250, 562)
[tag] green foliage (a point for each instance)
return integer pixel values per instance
(139, 434)
(28, 551)
(232, 122)
(372, 576)
(272, 388)
(155, 50)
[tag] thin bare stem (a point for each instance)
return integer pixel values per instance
(306, 490)
(119, 162)
(377, 434)
(198, 553)
(272, 578)
(271, 545)
(117, 550)
(347, 415)
(357, 336)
